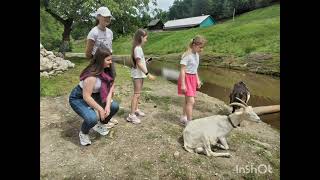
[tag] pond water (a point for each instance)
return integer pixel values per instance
(218, 83)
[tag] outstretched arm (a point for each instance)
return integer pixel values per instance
(143, 69)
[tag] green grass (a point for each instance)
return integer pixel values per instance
(50, 31)
(79, 46)
(255, 31)
(63, 84)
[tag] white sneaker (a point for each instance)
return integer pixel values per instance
(139, 113)
(84, 139)
(101, 128)
(134, 119)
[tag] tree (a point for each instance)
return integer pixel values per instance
(70, 12)
(200, 7)
(162, 15)
(218, 9)
(180, 9)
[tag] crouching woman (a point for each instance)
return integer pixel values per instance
(92, 97)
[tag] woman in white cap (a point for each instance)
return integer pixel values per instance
(101, 36)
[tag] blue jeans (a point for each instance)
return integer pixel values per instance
(79, 105)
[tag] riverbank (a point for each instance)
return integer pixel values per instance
(260, 63)
(151, 150)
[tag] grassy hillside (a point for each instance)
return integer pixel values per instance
(50, 31)
(255, 31)
(250, 43)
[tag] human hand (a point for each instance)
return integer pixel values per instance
(107, 111)
(102, 114)
(183, 89)
(148, 61)
(199, 84)
(151, 77)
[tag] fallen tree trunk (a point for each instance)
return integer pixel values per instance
(260, 110)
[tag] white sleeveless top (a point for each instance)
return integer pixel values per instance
(96, 87)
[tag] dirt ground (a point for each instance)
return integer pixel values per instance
(154, 148)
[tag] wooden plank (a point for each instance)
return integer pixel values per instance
(266, 109)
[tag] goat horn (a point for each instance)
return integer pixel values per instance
(248, 97)
(242, 101)
(237, 104)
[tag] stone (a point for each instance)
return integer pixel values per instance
(176, 154)
(52, 57)
(45, 64)
(44, 74)
(52, 63)
(50, 53)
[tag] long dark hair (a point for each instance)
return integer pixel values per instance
(137, 40)
(96, 64)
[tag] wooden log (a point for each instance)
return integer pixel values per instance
(260, 110)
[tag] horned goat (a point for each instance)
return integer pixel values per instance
(200, 134)
(241, 91)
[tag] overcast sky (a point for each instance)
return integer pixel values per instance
(164, 4)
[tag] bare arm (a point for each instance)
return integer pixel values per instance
(108, 100)
(89, 47)
(88, 85)
(140, 66)
(143, 69)
(198, 81)
(183, 76)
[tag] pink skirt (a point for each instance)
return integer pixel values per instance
(191, 85)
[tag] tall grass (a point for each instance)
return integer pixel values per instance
(255, 31)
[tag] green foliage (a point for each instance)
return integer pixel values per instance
(218, 9)
(50, 31)
(76, 15)
(81, 30)
(160, 14)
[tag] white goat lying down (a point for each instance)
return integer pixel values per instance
(200, 134)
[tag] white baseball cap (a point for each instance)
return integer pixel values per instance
(105, 12)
